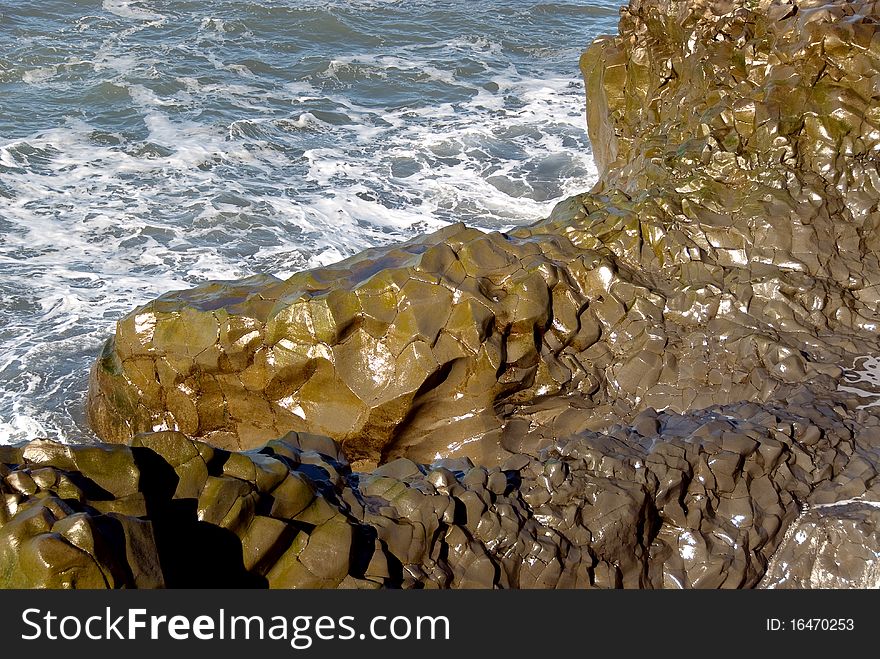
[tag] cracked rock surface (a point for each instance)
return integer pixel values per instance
(697, 500)
(481, 410)
(833, 546)
(728, 253)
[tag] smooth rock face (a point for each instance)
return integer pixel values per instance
(723, 270)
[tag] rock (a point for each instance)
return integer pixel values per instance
(832, 546)
(263, 536)
(711, 498)
(400, 469)
(46, 544)
(328, 550)
(655, 367)
(292, 496)
(727, 254)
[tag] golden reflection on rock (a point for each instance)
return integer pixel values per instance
(648, 381)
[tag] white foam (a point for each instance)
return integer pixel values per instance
(460, 133)
(218, 171)
(381, 67)
(37, 76)
(108, 59)
(477, 44)
(131, 9)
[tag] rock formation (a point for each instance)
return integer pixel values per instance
(724, 270)
(832, 546)
(697, 500)
(728, 252)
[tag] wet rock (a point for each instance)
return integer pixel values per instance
(655, 367)
(710, 498)
(328, 550)
(47, 543)
(833, 546)
(400, 469)
(292, 496)
(727, 254)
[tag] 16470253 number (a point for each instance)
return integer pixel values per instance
(821, 624)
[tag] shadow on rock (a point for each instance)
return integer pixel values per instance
(192, 553)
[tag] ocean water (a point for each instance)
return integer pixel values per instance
(153, 145)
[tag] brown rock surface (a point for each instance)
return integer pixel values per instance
(830, 546)
(727, 254)
(696, 500)
(724, 271)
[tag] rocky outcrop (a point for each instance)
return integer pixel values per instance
(696, 500)
(830, 546)
(728, 253)
(379, 352)
(724, 270)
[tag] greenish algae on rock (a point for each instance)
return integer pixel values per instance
(724, 270)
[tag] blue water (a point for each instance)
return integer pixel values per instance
(147, 146)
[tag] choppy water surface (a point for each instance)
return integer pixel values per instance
(147, 146)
